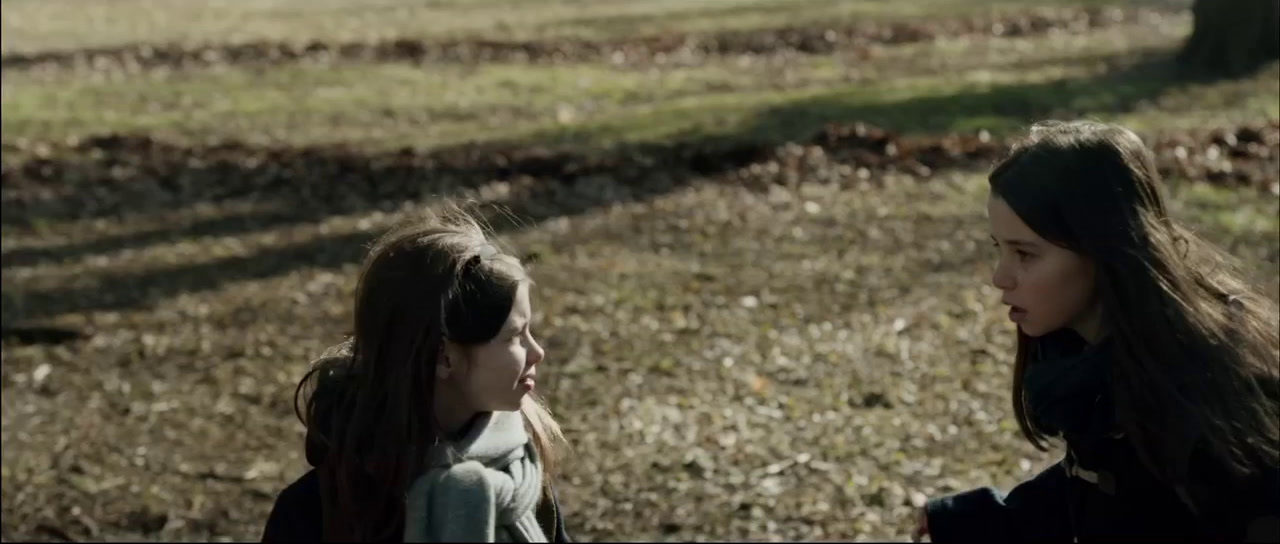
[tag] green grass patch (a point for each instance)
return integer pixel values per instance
(959, 84)
(597, 105)
(40, 25)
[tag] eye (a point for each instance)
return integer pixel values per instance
(1023, 255)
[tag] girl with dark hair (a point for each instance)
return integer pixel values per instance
(422, 426)
(1138, 344)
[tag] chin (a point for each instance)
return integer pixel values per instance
(1033, 332)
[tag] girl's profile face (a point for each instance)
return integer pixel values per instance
(1046, 286)
(496, 375)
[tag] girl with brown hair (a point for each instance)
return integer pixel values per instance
(1138, 344)
(422, 426)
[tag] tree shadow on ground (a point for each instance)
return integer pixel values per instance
(309, 185)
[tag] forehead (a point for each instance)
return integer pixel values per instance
(521, 307)
(1005, 223)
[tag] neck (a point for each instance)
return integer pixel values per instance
(1091, 326)
(451, 413)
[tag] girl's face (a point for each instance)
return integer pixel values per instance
(496, 376)
(1047, 287)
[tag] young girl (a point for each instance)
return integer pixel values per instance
(1137, 345)
(422, 426)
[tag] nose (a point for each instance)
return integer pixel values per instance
(535, 353)
(1002, 278)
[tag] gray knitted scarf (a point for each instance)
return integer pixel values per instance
(483, 487)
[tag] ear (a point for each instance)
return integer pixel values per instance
(450, 362)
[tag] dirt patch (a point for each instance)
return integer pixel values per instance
(117, 174)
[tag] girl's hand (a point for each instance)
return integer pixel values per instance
(922, 527)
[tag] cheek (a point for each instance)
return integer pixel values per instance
(496, 367)
(1059, 291)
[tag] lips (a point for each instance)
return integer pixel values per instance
(527, 382)
(1017, 314)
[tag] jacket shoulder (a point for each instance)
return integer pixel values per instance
(295, 516)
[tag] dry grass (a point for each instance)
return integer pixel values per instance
(817, 359)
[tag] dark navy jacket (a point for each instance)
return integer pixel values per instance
(1102, 491)
(1117, 500)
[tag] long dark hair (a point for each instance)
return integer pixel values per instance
(428, 281)
(1197, 349)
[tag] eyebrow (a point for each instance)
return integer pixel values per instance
(1015, 242)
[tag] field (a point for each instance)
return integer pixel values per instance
(757, 229)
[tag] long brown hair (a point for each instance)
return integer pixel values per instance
(368, 406)
(1197, 350)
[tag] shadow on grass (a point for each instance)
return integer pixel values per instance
(218, 226)
(308, 185)
(999, 109)
(1128, 81)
